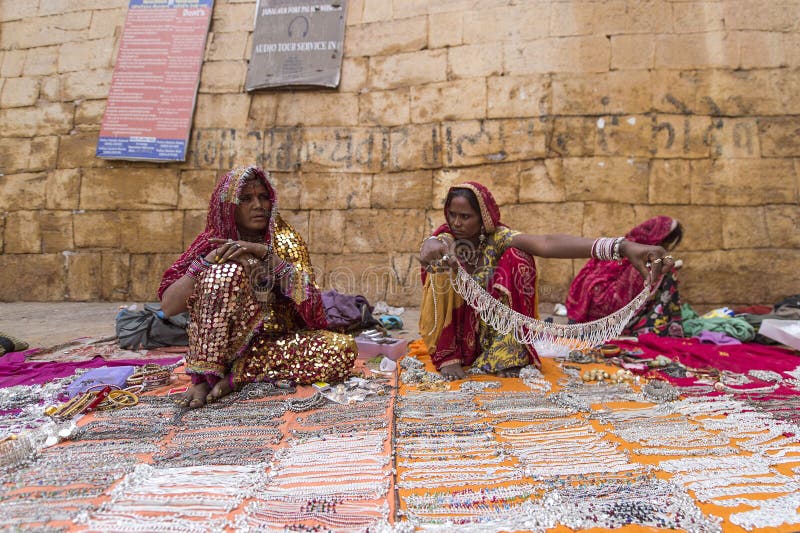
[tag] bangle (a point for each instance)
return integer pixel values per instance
(282, 268)
(615, 256)
(607, 248)
(197, 267)
(438, 238)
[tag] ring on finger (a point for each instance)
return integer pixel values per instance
(656, 261)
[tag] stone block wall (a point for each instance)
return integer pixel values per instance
(583, 117)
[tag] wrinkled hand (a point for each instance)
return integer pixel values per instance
(242, 252)
(644, 257)
(437, 256)
(452, 372)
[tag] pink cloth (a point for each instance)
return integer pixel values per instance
(15, 370)
(602, 287)
(716, 337)
(739, 358)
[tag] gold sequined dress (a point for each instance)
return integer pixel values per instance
(232, 331)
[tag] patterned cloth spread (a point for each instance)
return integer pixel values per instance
(452, 330)
(233, 332)
(603, 287)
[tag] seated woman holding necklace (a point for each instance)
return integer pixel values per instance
(602, 287)
(256, 312)
(501, 261)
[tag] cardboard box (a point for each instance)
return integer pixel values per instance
(784, 331)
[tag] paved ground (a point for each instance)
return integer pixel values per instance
(49, 324)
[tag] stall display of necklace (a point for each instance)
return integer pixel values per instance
(485, 506)
(84, 463)
(478, 386)
(580, 396)
(185, 494)
(244, 414)
(79, 474)
(769, 376)
(785, 407)
(698, 389)
(547, 337)
(298, 405)
(570, 451)
(333, 480)
(672, 432)
(774, 512)
(239, 436)
(148, 409)
(644, 501)
(339, 430)
(428, 451)
(660, 391)
(22, 515)
(182, 456)
(114, 428)
(329, 512)
(334, 414)
(533, 378)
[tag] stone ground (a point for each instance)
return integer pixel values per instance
(45, 324)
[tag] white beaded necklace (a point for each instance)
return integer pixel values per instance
(548, 338)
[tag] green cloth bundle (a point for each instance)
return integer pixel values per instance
(737, 328)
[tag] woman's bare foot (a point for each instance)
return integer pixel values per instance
(196, 396)
(452, 372)
(221, 389)
(511, 372)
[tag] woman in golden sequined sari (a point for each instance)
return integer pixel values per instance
(501, 260)
(256, 312)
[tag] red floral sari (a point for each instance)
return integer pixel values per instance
(602, 287)
(452, 330)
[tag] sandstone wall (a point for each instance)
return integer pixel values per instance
(583, 117)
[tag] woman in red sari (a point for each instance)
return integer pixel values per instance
(502, 261)
(602, 287)
(256, 312)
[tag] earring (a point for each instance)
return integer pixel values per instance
(482, 236)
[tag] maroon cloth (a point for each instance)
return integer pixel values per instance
(603, 287)
(739, 358)
(15, 370)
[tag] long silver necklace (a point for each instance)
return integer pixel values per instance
(548, 338)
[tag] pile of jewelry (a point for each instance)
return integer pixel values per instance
(195, 498)
(334, 473)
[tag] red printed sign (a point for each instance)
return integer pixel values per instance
(150, 106)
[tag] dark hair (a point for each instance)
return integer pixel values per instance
(673, 238)
(463, 193)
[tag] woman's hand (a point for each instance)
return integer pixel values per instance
(230, 249)
(643, 256)
(436, 254)
(452, 371)
(245, 253)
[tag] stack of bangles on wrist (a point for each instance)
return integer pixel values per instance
(282, 268)
(198, 267)
(607, 248)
